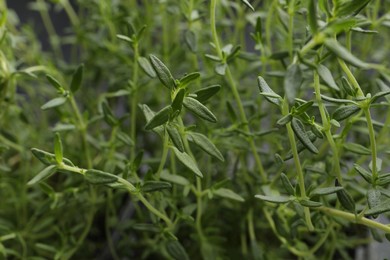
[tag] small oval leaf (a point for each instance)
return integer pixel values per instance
(187, 161)
(99, 177)
(55, 102)
(199, 109)
(344, 112)
(162, 72)
(300, 132)
(77, 78)
(161, 117)
(43, 175)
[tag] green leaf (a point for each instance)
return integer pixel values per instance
(176, 250)
(146, 67)
(43, 175)
(187, 79)
(325, 191)
(162, 72)
(99, 177)
(312, 16)
(364, 173)
(175, 137)
(373, 198)
(204, 94)
(161, 117)
(220, 68)
(383, 207)
(54, 82)
(205, 144)
(284, 120)
(187, 161)
(352, 7)
(287, 184)
(245, 2)
(337, 100)
(264, 88)
(303, 108)
(125, 138)
(310, 203)
(344, 112)
(300, 132)
(300, 146)
(383, 179)
(292, 82)
(229, 194)
(347, 88)
(77, 78)
(274, 199)
(339, 25)
(326, 76)
(199, 109)
(58, 150)
(340, 51)
(379, 95)
(345, 199)
(357, 148)
(125, 38)
(258, 28)
(149, 114)
(108, 115)
(165, 175)
(151, 186)
(48, 158)
(177, 102)
(55, 102)
(191, 41)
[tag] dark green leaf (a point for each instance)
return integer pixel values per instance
(176, 250)
(151, 186)
(345, 199)
(258, 28)
(383, 179)
(99, 177)
(357, 148)
(48, 158)
(378, 95)
(204, 94)
(108, 115)
(300, 146)
(175, 137)
(347, 87)
(43, 175)
(284, 120)
(58, 151)
(344, 112)
(292, 82)
(187, 79)
(199, 109)
(149, 114)
(55, 102)
(340, 51)
(312, 16)
(318, 132)
(264, 88)
(146, 67)
(383, 207)
(287, 184)
(300, 132)
(229, 194)
(160, 118)
(324, 191)
(54, 82)
(77, 78)
(205, 144)
(274, 199)
(191, 41)
(234, 52)
(232, 114)
(337, 100)
(327, 77)
(364, 173)
(177, 102)
(187, 161)
(162, 72)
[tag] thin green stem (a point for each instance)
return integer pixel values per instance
(290, 38)
(83, 131)
(351, 77)
(73, 17)
(298, 167)
(352, 218)
(164, 155)
(134, 100)
(327, 128)
(371, 133)
(234, 90)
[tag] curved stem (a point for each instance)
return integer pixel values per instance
(371, 133)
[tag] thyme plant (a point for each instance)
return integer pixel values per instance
(195, 129)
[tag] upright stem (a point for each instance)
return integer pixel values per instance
(234, 90)
(327, 127)
(371, 133)
(298, 167)
(133, 101)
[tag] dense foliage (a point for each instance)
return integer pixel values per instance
(195, 129)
